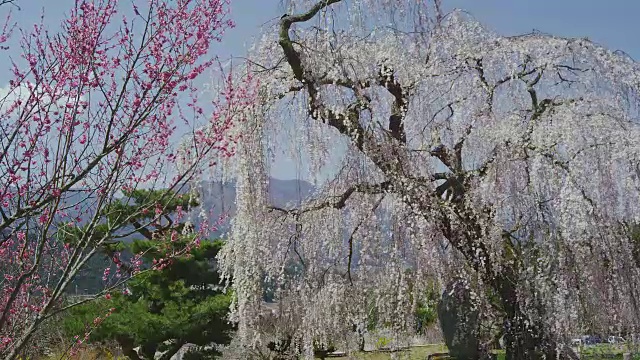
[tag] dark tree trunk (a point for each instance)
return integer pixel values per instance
(524, 341)
(148, 350)
(126, 344)
(524, 338)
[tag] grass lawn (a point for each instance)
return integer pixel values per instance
(596, 352)
(604, 351)
(414, 353)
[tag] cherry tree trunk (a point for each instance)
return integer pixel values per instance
(525, 338)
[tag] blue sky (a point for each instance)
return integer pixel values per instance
(612, 23)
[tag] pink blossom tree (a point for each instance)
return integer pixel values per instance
(92, 112)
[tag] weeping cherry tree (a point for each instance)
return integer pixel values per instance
(439, 149)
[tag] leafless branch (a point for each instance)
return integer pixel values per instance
(340, 201)
(9, 2)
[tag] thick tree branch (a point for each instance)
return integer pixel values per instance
(293, 57)
(340, 201)
(400, 105)
(443, 153)
(346, 123)
(142, 229)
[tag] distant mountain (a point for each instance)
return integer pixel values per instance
(218, 198)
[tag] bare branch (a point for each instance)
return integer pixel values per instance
(9, 2)
(340, 201)
(346, 123)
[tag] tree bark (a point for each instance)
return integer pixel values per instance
(525, 338)
(126, 344)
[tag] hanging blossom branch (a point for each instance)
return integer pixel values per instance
(91, 113)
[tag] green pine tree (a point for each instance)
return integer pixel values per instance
(158, 311)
